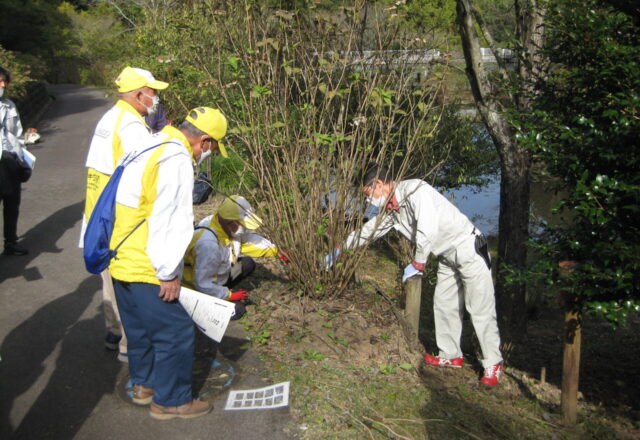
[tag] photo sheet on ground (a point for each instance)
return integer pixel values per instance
(209, 313)
(274, 396)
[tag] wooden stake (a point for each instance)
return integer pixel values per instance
(571, 357)
(571, 366)
(413, 288)
(543, 375)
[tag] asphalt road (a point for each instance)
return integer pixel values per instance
(57, 381)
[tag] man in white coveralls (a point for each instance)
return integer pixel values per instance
(425, 217)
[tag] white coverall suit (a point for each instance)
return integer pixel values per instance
(436, 226)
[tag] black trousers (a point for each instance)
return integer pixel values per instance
(10, 189)
(247, 266)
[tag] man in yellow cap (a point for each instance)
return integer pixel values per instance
(121, 130)
(219, 255)
(153, 227)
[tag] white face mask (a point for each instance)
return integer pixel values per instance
(378, 202)
(1, 92)
(154, 106)
(203, 156)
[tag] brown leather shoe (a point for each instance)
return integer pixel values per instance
(142, 395)
(195, 408)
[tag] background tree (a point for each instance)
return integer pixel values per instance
(586, 133)
(38, 29)
(20, 73)
(496, 99)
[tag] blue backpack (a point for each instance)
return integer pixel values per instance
(97, 236)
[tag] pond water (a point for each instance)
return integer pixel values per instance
(482, 206)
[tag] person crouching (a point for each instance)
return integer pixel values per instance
(219, 255)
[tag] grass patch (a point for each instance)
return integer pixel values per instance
(350, 402)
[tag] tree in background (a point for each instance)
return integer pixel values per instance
(587, 134)
(63, 41)
(20, 72)
(435, 20)
(497, 100)
(38, 29)
(101, 43)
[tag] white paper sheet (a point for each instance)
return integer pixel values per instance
(274, 396)
(29, 158)
(209, 313)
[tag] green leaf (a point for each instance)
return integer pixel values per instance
(232, 62)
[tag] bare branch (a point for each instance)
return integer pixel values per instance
(119, 10)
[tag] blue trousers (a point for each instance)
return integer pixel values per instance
(160, 342)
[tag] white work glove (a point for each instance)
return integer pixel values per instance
(331, 258)
(409, 272)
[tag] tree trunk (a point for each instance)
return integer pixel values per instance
(515, 162)
(512, 251)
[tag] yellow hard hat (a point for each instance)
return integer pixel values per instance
(237, 208)
(133, 78)
(212, 122)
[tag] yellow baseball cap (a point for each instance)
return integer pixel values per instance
(212, 122)
(237, 208)
(132, 78)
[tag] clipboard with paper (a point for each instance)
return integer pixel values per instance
(210, 314)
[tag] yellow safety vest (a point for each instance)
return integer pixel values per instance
(132, 264)
(189, 272)
(249, 248)
(96, 181)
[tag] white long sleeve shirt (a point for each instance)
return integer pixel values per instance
(425, 217)
(10, 127)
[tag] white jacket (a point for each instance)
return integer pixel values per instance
(10, 127)
(426, 218)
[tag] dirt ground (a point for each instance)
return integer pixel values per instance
(362, 330)
(359, 340)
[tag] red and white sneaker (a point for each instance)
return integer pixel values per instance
(491, 375)
(437, 361)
